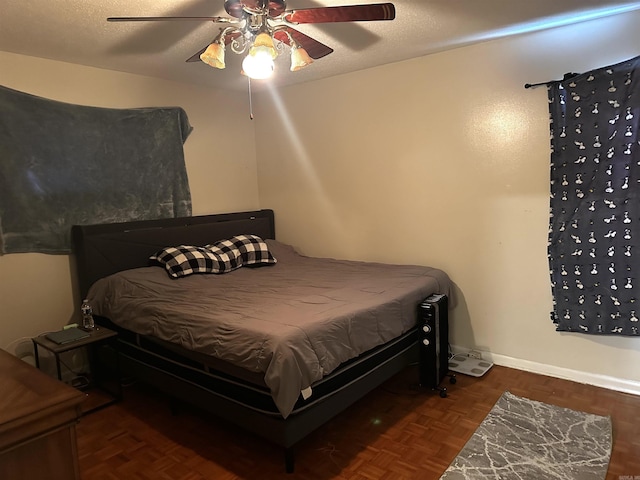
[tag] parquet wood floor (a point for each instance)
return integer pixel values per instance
(397, 432)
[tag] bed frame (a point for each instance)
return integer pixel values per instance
(105, 249)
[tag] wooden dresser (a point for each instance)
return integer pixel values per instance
(38, 415)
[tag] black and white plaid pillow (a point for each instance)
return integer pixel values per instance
(186, 259)
(252, 249)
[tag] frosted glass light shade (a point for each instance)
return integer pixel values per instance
(299, 58)
(264, 41)
(258, 64)
(214, 55)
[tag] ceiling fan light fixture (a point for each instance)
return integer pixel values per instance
(299, 58)
(258, 64)
(263, 42)
(214, 55)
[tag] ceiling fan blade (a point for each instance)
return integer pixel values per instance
(314, 48)
(196, 56)
(164, 19)
(228, 38)
(347, 13)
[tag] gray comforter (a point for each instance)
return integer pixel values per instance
(294, 321)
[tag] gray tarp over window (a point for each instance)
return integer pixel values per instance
(63, 164)
(594, 235)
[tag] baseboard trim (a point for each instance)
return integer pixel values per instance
(604, 381)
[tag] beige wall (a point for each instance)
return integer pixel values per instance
(444, 161)
(37, 292)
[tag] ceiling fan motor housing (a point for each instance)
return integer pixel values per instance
(236, 8)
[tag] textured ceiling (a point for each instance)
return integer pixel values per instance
(76, 31)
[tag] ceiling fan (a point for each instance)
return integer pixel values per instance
(253, 25)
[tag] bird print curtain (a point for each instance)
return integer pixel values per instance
(594, 234)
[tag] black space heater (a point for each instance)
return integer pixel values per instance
(433, 318)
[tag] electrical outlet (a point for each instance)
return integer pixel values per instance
(475, 354)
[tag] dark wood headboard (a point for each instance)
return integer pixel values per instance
(105, 249)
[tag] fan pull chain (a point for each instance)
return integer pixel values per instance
(250, 101)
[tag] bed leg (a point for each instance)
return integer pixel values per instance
(289, 459)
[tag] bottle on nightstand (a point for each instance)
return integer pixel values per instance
(87, 315)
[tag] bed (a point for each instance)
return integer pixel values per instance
(278, 345)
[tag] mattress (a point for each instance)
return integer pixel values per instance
(247, 389)
(293, 322)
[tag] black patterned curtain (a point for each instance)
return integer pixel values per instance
(594, 233)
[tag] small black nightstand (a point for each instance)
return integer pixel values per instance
(97, 337)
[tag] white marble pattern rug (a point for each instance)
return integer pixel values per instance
(523, 439)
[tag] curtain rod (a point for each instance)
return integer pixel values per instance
(567, 76)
